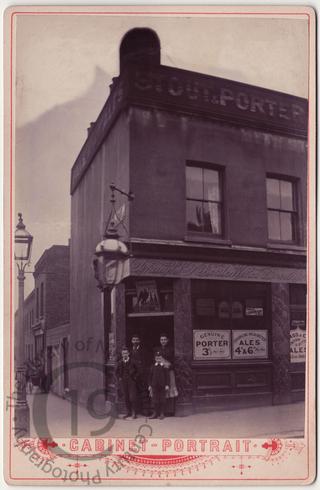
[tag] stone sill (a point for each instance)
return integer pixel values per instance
(203, 238)
(286, 246)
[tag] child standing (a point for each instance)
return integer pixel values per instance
(158, 386)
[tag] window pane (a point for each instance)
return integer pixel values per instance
(194, 216)
(286, 226)
(194, 182)
(212, 218)
(298, 294)
(211, 185)
(273, 193)
(274, 225)
(286, 195)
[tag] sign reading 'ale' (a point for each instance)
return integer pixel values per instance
(298, 341)
(249, 344)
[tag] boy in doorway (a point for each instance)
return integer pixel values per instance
(158, 386)
(127, 372)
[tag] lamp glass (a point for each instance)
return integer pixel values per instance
(113, 272)
(22, 245)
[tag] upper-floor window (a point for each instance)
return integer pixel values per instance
(282, 214)
(204, 199)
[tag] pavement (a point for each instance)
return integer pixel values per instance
(53, 416)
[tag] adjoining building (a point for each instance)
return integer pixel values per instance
(217, 233)
(46, 316)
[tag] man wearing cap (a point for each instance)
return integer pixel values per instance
(158, 386)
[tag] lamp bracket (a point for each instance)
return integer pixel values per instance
(111, 227)
(113, 188)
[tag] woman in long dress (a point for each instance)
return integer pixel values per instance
(167, 354)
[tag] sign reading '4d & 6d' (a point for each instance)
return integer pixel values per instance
(211, 344)
(250, 344)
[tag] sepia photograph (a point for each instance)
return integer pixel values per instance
(160, 183)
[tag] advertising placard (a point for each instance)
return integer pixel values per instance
(147, 296)
(211, 344)
(298, 341)
(249, 344)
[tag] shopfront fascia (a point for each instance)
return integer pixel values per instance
(238, 331)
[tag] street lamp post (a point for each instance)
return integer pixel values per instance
(108, 265)
(22, 254)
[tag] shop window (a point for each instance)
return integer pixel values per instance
(282, 213)
(298, 294)
(231, 322)
(203, 200)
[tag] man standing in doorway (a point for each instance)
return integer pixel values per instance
(138, 356)
(137, 353)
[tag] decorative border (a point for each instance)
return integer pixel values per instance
(283, 447)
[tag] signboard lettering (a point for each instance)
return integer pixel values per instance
(249, 344)
(254, 307)
(211, 344)
(298, 341)
(217, 93)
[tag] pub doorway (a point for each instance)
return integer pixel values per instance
(149, 328)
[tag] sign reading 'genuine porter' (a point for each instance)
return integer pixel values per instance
(211, 344)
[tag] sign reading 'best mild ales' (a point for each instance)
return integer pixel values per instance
(211, 344)
(249, 344)
(298, 339)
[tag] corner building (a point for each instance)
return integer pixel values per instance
(217, 233)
